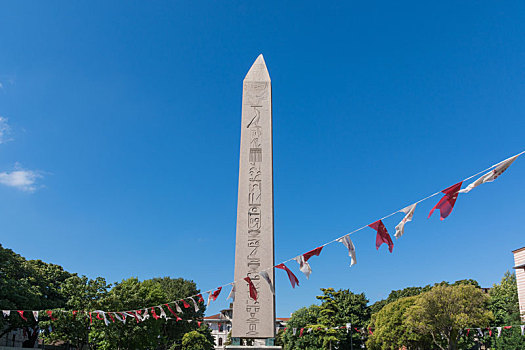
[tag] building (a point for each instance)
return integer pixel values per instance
(519, 266)
(221, 324)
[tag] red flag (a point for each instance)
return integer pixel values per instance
(446, 204)
(293, 279)
(507, 327)
(253, 290)
(155, 316)
(99, 316)
(186, 305)
(174, 314)
(312, 252)
(199, 323)
(213, 296)
(21, 313)
(301, 332)
(370, 331)
(490, 332)
(112, 319)
(75, 314)
(90, 318)
(382, 235)
(50, 314)
(468, 331)
(201, 299)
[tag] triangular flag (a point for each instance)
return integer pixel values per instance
(111, 316)
(409, 211)
(173, 313)
(347, 242)
(35, 315)
(177, 307)
(266, 277)
(213, 296)
(195, 305)
(121, 319)
(294, 331)
(201, 300)
(293, 279)
(186, 305)
(491, 175)
(382, 235)
(522, 329)
(162, 312)
(21, 313)
(6, 313)
(446, 204)
(232, 293)
(499, 331)
(302, 260)
(154, 314)
(199, 323)
(146, 315)
(301, 332)
(253, 290)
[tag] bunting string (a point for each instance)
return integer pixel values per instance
(445, 205)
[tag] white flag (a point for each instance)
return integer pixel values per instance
(304, 266)
(491, 175)
(123, 318)
(266, 277)
(499, 331)
(294, 331)
(522, 328)
(35, 315)
(195, 305)
(162, 312)
(6, 313)
(145, 316)
(177, 307)
(232, 293)
(409, 211)
(350, 246)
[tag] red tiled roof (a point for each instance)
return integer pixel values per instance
(284, 319)
(212, 317)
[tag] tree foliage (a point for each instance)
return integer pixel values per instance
(445, 310)
(36, 285)
(337, 309)
(504, 304)
(195, 341)
(391, 330)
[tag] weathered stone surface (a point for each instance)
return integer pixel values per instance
(254, 249)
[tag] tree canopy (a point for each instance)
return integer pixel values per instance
(36, 285)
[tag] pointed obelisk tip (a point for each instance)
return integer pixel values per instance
(258, 71)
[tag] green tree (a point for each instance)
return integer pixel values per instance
(398, 294)
(391, 330)
(445, 310)
(81, 294)
(302, 318)
(28, 285)
(195, 341)
(504, 305)
(342, 307)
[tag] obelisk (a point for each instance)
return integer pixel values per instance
(254, 240)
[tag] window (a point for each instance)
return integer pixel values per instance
(220, 341)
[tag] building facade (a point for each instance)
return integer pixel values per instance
(221, 324)
(519, 266)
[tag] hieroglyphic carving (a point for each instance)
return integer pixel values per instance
(256, 94)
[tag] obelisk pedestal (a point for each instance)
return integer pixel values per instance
(254, 249)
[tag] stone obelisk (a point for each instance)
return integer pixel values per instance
(254, 242)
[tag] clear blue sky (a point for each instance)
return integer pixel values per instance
(120, 136)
